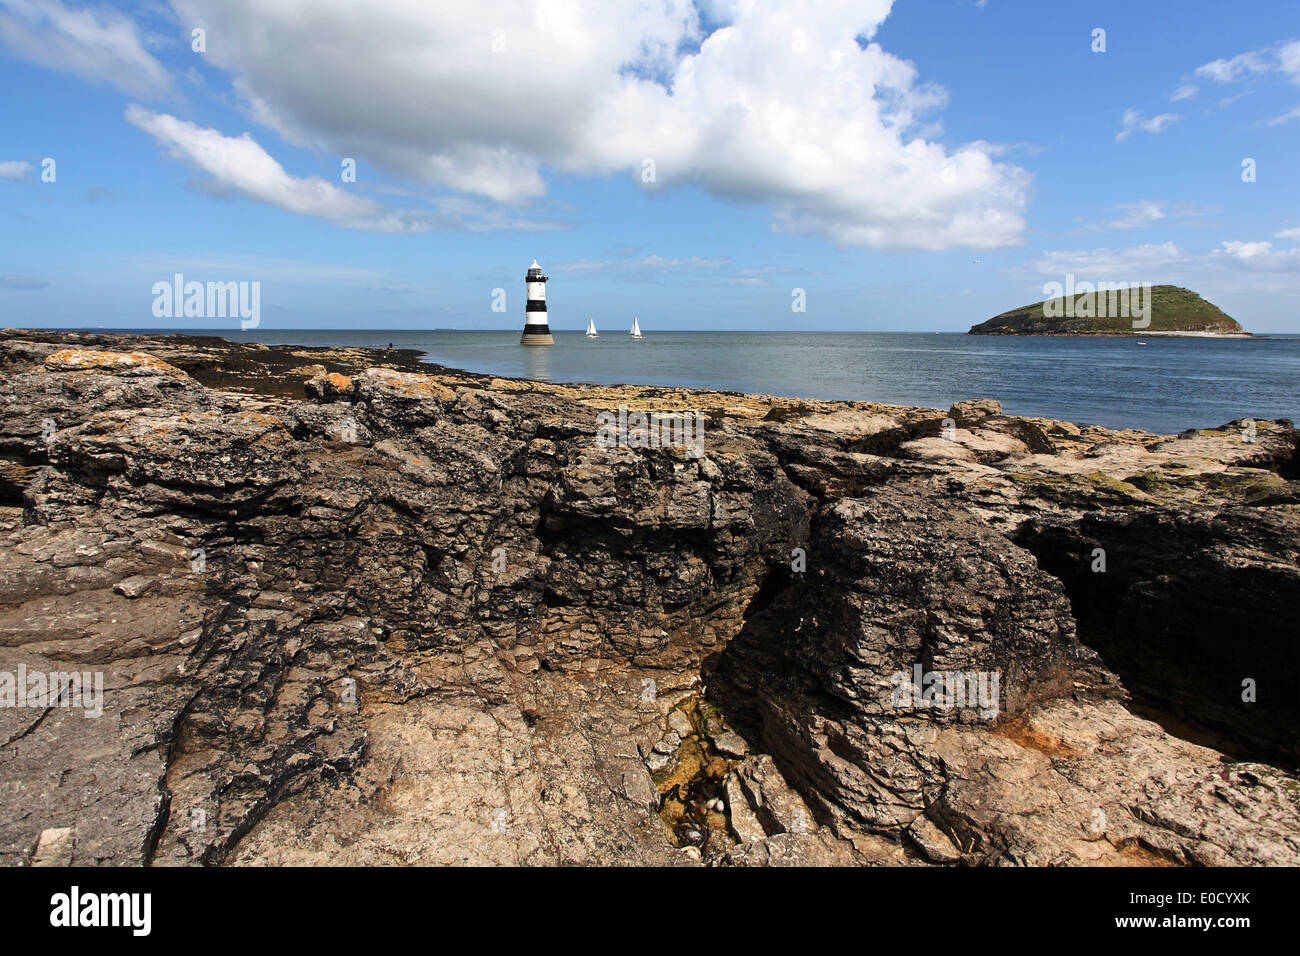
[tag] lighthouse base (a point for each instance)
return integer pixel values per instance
(537, 338)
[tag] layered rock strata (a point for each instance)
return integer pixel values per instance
(428, 618)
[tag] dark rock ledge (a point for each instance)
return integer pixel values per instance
(423, 618)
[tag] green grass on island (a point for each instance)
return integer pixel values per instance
(1173, 309)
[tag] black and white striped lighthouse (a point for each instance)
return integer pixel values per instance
(536, 331)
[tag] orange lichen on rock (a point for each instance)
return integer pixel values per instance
(81, 360)
(329, 386)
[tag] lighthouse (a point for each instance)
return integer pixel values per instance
(536, 331)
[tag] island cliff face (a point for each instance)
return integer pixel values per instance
(427, 618)
(1156, 310)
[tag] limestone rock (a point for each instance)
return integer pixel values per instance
(422, 617)
(730, 744)
(972, 410)
(54, 847)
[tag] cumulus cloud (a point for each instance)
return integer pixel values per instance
(97, 44)
(789, 105)
(1134, 120)
(239, 164)
(1288, 234)
(1258, 256)
(15, 169)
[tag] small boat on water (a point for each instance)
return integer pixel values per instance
(591, 329)
(636, 329)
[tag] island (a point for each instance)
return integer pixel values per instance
(1171, 310)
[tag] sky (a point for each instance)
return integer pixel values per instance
(913, 165)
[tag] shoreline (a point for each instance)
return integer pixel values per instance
(1117, 335)
(280, 370)
(638, 648)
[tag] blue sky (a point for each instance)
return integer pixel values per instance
(919, 165)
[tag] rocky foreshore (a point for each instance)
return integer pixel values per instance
(350, 609)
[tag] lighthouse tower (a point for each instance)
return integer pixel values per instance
(536, 331)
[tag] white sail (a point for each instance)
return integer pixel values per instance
(636, 329)
(591, 329)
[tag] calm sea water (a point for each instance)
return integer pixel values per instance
(1165, 386)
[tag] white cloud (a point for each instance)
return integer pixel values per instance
(1228, 71)
(1102, 263)
(678, 271)
(692, 262)
(1137, 215)
(1185, 92)
(1134, 120)
(1284, 118)
(264, 268)
(239, 164)
(1288, 60)
(15, 169)
(1164, 262)
(780, 106)
(1288, 234)
(97, 44)
(1258, 256)
(1148, 212)
(1283, 58)
(650, 263)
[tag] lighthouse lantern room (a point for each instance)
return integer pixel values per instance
(536, 329)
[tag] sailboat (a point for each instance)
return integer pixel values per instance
(636, 329)
(591, 329)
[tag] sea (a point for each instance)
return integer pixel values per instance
(1160, 384)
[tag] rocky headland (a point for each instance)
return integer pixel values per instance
(352, 609)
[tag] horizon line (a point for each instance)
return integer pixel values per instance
(174, 330)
